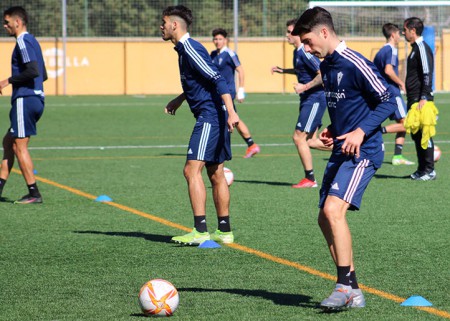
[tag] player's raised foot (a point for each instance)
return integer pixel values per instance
(358, 299)
(28, 199)
(342, 297)
(222, 237)
(192, 238)
(424, 176)
(252, 150)
(305, 183)
(401, 160)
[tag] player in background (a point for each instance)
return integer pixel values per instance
(386, 61)
(358, 101)
(228, 62)
(312, 105)
(205, 90)
(419, 89)
(28, 75)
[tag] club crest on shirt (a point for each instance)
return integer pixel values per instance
(220, 61)
(339, 77)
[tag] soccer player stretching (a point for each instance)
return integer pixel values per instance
(358, 101)
(205, 90)
(28, 75)
(227, 62)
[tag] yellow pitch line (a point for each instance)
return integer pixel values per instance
(276, 259)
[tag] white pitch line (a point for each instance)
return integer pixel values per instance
(176, 146)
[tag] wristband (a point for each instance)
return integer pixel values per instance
(241, 93)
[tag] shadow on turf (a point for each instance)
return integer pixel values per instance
(173, 154)
(145, 236)
(382, 176)
(5, 200)
(277, 298)
(263, 182)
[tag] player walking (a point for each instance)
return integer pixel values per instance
(358, 101)
(227, 61)
(312, 105)
(386, 61)
(28, 75)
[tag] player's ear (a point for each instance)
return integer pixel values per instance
(324, 32)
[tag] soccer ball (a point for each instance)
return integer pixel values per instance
(229, 176)
(158, 297)
(437, 153)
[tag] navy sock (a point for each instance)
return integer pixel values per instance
(343, 273)
(353, 281)
(200, 223)
(2, 184)
(223, 223)
(249, 141)
(310, 175)
(398, 149)
(33, 190)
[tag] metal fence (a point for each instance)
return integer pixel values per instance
(141, 18)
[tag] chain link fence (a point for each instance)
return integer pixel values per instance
(141, 18)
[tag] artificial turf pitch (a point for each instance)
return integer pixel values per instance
(73, 258)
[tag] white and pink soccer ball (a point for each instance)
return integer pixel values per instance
(229, 176)
(158, 297)
(437, 153)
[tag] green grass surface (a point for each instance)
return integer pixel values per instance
(72, 258)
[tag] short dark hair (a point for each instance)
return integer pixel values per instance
(414, 23)
(312, 18)
(17, 11)
(291, 22)
(389, 29)
(180, 11)
(219, 31)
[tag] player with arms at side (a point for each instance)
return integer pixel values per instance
(28, 75)
(206, 91)
(358, 101)
(312, 105)
(228, 62)
(386, 61)
(419, 89)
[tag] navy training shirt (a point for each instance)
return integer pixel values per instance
(202, 83)
(357, 96)
(227, 61)
(307, 67)
(27, 49)
(387, 55)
